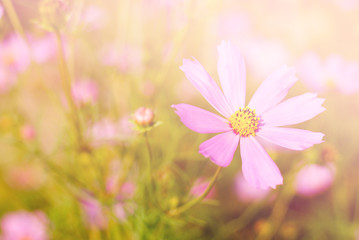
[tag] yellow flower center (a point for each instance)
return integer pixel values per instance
(244, 122)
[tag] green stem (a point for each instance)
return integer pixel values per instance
(66, 82)
(149, 167)
(193, 202)
(149, 162)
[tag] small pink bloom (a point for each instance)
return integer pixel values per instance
(108, 131)
(84, 92)
(314, 179)
(25, 177)
(1, 11)
(147, 88)
(123, 210)
(44, 48)
(27, 132)
(95, 216)
(243, 124)
(199, 186)
(7, 79)
(232, 25)
(113, 177)
(94, 17)
(22, 225)
(14, 54)
(246, 192)
(124, 207)
(126, 59)
(333, 72)
(127, 191)
(144, 116)
(347, 5)
(264, 56)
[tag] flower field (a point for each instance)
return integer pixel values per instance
(179, 119)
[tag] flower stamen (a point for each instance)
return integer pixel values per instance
(244, 122)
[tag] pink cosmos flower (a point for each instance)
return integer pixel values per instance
(314, 179)
(347, 5)
(27, 132)
(244, 124)
(14, 54)
(24, 225)
(1, 11)
(44, 48)
(84, 92)
(333, 72)
(246, 192)
(264, 56)
(7, 79)
(108, 131)
(94, 17)
(126, 59)
(25, 177)
(94, 212)
(123, 207)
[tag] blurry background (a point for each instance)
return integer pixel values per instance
(73, 73)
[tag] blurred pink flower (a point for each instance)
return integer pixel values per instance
(147, 88)
(27, 132)
(22, 225)
(25, 177)
(14, 54)
(123, 207)
(264, 56)
(84, 92)
(94, 17)
(44, 48)
(94, 212)
(199, 186)
(347, 5)
(261, 118)
(126, 59)
(314, 179)
(334, 72)
(232, 25)
(246, 192)
(108, 131)
(1, 11)
(7, 79)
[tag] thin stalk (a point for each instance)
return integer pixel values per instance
(193, 202)
(66, 82)
(10, 10)
(149, 166)
(149, 162)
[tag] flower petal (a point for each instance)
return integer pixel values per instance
(294, 110)
(232, 74)
(273, 89)
(258, 168)
(200, 120)
(220, 148)
(199, 77)
(295, 139)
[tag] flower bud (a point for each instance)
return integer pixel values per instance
(27, 132)
(144, 116)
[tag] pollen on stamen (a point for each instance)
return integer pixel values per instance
(244, 122)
